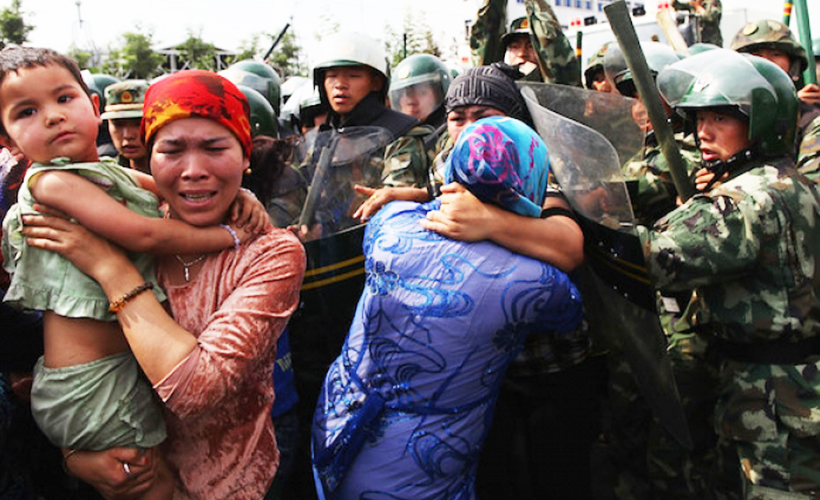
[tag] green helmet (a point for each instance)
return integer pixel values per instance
(414, 71)
(96, 83)
(697, 48)
(755, 88)
(658, 56)
(263, 117)
(258, 76)
(773, 35)
(595, 64)
(351, 49)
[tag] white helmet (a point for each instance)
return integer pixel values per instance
(351, 49)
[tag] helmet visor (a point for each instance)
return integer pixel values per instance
(418, 100)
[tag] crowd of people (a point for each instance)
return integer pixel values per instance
(164, 330)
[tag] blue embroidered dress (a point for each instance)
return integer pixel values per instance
(406, 406)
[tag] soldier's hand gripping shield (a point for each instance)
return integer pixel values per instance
(619, 298)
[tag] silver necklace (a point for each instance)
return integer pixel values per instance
(186, 265)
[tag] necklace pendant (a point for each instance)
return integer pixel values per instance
(187, 275)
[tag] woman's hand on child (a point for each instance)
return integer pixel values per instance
(90, 253)
(105, 471)
(248, 213)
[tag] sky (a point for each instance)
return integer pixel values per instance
(231, 24)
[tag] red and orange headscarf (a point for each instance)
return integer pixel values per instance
(197, 93)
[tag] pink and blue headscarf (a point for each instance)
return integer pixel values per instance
(503, 161)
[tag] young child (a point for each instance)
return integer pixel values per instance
(88, 391)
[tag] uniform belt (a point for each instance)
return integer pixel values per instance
(774, 352)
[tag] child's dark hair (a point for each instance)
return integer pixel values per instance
(15, 58)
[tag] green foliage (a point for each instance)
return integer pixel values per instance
(135, 59)
(286, 58)
(198, 53)
(13, 29)
(249, 48)
(416, 38)
(83, 57)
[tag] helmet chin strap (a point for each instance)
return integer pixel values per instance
(720, 167)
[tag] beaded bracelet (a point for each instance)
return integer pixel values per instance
(117, 305)
(228, 228)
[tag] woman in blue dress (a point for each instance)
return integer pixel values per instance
(406, 406)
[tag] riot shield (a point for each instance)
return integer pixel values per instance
(618, 295)
(335, 264)
(614, 116)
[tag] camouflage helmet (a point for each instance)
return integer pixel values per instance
(419, 69)
(351, 49)
(751, 86)
(773, 35)
(519, 26)
(124, 99)
(263, 117)
(258, 76)
(96, 83)
(658, 56)
(595, 64)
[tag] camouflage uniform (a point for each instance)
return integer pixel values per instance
(408, 159)
(808, 155)
(550, 43)
(654, 192)
(709, 21)
(749, 247)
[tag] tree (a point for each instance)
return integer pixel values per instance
(249, 48)
(286, 58)
(197, 53)
(136, 58)
(13, 29)
(83, 57)
(416, 38)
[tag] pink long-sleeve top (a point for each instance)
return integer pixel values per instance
(220, 436)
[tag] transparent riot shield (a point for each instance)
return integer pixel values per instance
(334, 277)
(618, 296)
(621, 120)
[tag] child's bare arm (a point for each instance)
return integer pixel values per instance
(94, 209)
(145, 181)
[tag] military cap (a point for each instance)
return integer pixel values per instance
(520, 26)
(124, 99)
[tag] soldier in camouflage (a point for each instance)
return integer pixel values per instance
(594, 76)
(646, 459)
(750, 247)
(709, 13)
(352, 76)
(536, 42)
(123, 110)
(774, 41)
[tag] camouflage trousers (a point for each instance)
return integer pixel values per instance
(648, 462)
(678, 473)
(771, 416)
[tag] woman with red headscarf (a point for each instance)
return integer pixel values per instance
(210, 360)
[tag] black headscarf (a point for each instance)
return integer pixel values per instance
(493, 86)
